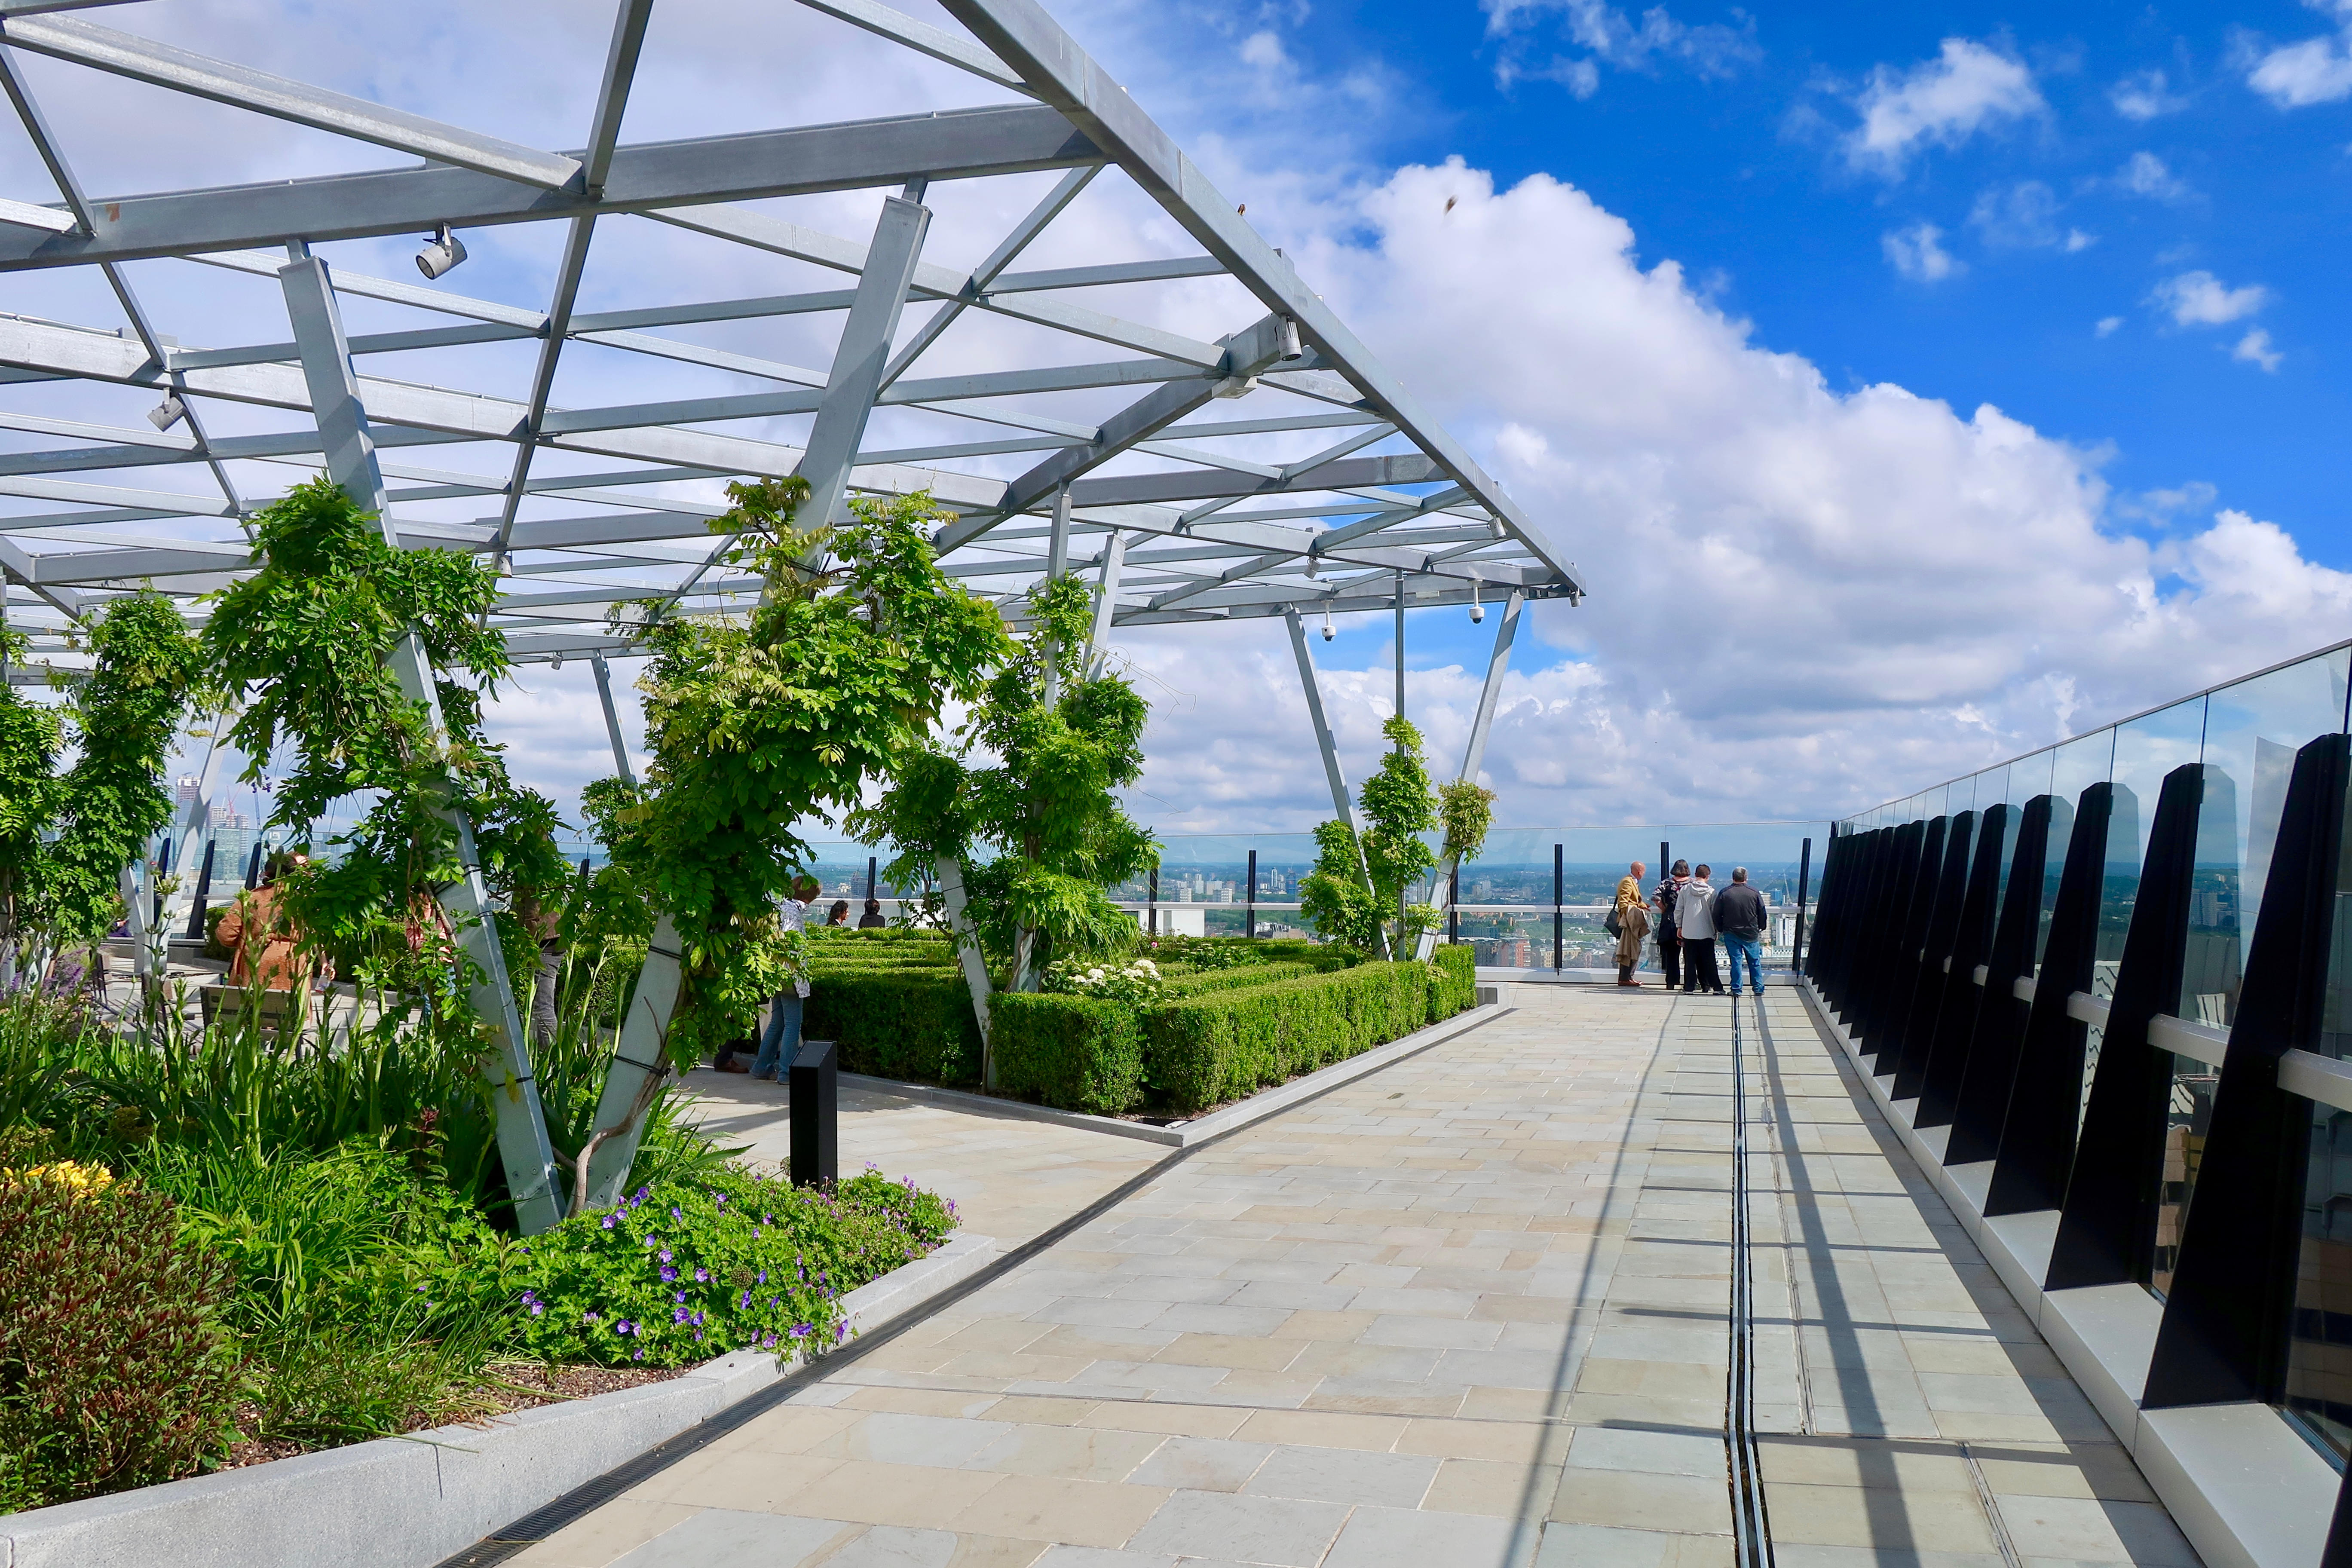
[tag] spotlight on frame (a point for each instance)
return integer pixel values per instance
(168, 413)
(440, 253)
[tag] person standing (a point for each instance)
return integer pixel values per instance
(1633, 922)
(1695, 912)
(1739, 919)
(872, 919)
(1670, 935)
(781, 1042)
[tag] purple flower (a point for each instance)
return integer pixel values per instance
(665, 1257)
(744, 1302)
(697, 1335)
(677, 1315)
(702, 1275)
(839, 1329)
(801, 1330)
(640, 1356)
(667, 1274)
(537, 1309)
(678, 1295)
(651, 1239)
(673, 1214)
(763, 1276)
(609, 1220)
(643, 1193)
(774, 1301)
(722, 1200)
(768, 1339)
(622, 1326)
(697, 1319)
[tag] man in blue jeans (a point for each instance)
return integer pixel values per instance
(781, 1042)
(1739, 921)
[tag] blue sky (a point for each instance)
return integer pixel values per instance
(1727, 144)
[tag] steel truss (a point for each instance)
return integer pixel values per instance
(1152, 443)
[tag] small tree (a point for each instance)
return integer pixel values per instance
(1062, 740)
(64, 840)
(1398, 809)
(757, 723)
(305, 645)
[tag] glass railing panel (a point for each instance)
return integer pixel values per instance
(2319, 1345)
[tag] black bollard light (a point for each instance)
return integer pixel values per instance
(815, 1082)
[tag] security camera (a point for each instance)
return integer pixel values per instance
(1327, 633)
(441, 252)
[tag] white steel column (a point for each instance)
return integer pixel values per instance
(1474, 754)
(621, 769)
(343, 421)
(1114, 561)
(863, 352)
(975, 965)
(1342, 806)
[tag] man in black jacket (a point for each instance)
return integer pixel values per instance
(1670, 934)
(1739, 921)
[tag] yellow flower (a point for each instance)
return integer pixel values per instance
(67, 1172)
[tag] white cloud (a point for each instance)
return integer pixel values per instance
(1918, 253)
(2255, 348)
(2146, 175)
(1607, 34)
(2316, 70)
(1794, 588)
(2201, 300)
(2107, 325)
(1966, 88)
(2145, 95)
(2024, 216)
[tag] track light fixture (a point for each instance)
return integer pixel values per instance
(1285, 337)
(1327, 633)
(442, 251)
(557, 663)
(168, 413)
(1313, 566)
(1477, 610)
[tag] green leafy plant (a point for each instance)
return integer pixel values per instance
(64, 841)
(1074, 1052)
(1399, 810)
(682, 1271)
(757, 723)
(1063, 741)
(116, 1368)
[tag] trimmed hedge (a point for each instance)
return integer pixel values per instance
(1201, 1051)
(1208, 980)
(1454, 989)
(1077, 1053)
(906, 1022)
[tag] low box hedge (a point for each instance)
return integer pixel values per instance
(1201, 1051)
(1454, 988)
(1202, 982)
(1076, 1053)
(907, 1021)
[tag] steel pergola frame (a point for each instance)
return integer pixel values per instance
(1109, 445)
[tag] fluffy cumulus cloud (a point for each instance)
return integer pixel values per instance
(2024, 216)
(1917, 253)
(2314, 70)
(2146, 95)
(1969, 86)
(1803, 598)
(2201, 300)
(2146, 175)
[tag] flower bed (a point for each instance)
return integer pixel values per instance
(183, 1292)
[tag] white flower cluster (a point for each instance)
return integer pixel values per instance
(1136, 981)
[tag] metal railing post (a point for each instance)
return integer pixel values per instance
(1804, 887)
(1559, 892)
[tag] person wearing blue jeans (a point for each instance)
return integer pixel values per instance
(1739, 920)
(782, 1041)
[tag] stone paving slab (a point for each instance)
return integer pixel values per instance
(1470, 1310)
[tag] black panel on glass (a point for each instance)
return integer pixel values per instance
(2224, 1337)
(1956, 1022)
(1910, 1060)
(1897, 928)
(2001, 1012)
(2106, 1227)
(2045, 1103)
(1873, 864)
(1857, 864)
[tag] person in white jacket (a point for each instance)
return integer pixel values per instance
(1694, 913)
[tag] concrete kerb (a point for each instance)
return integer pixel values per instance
(1185, 1134)
(408, 1501)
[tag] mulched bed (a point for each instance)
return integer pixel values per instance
(521, 1385)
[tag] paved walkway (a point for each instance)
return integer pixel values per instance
(1010, 1177)
(1467, 1311)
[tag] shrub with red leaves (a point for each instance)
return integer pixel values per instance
(115, 1370)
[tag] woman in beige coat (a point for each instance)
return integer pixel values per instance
(1632, 925)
